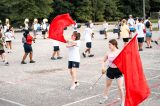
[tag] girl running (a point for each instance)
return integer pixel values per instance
(74, 58)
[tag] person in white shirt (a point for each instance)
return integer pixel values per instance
(56, 50)
(88, 39)
(131, 24)
(26, 26)
(8, 39)
(74, 58)
(44, 28)
(140, 27)
(35, 27)
(105, 26)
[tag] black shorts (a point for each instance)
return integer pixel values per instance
(43, 32)
(140, 40)
(113, 73)
(73, 64)
(27, 48)
(125, 39)
(1, 52)
(89, 44)
(8, 41)
(56, 48)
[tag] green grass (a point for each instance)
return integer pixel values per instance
(154, 20)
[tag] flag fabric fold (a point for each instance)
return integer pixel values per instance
(129, 63)
(57, 27)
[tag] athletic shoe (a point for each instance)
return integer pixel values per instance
(140, 49)
(23, 62)
(103, 100)
(32, 61)
(84, 55)
(6, 63)
(73, 87)
(150, 47)
(156, 42)
(77, 84)
(147, 47)
(52, 58)
(59, 57)
(91, 55)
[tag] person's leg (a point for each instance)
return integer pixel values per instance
(105, 35)
(5, 59)
(107, 86)
(10, 45)
(148, 42)
(54, 53)
(74, 75)
(121, 91)
(31, 57)
(24, 57)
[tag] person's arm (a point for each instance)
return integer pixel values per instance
(103, 64)
(71, 44)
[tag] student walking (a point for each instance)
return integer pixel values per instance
(88, 39)
(74, 58)
(148, 26)
(140, 31)
(27, 41)
(105, 27)
(112, 72)
(2, 51)
(124, 31)
(56, 50)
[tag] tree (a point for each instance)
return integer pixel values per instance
(113, 10)
(18, 10)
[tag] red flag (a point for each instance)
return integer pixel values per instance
(129, 63)
(57, 26)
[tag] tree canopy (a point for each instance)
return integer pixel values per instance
(80, 10)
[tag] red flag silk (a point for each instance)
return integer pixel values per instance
(129, 63)
(57, 27)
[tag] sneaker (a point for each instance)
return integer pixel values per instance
(53, 58)
(103, 100)
(140, 49)
(59, 57)
(156, 42)
(6, 63)
(105, 38)
(77, 84)
(147, 47)
(91, 55)
(84, 55)
(73, 87)
(32, 61)
(23, 62)
(150, 47)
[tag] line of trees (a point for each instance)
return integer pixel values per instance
(80, 10)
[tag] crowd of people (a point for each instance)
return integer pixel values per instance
(143, 29)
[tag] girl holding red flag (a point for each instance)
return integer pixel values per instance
(112, 72)
(74, 58)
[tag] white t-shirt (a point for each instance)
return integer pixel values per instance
(139, 30)
(87, 35)
(55, 43)
(35, 26)
(105, 26)
(131, 22)
(44, 26)
(8, 36)
(74, 54)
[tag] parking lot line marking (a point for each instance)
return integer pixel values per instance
(86, 99)
(6, 100)
(153, 77)
(155, 93)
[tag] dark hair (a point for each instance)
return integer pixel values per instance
(147, 17)
(147, 24)
(25, 34)
(140, 19)
(114, 42)
(77, 35)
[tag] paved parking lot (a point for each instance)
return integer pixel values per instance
(47, 82)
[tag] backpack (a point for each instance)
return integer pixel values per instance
(23, 40)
